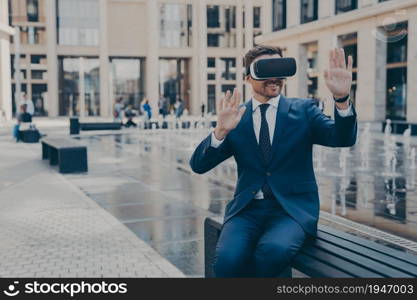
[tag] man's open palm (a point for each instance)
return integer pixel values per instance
(228, 112)
(339, 76)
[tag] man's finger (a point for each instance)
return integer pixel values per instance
(350, 63)
(331, 66)
(227, 99)
(343, 58)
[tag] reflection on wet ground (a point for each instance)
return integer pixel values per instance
(143, 180)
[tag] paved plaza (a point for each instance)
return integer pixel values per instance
(49, 228)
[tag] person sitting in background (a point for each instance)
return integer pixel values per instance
(147, 108)
(24, 119)
(129, 114)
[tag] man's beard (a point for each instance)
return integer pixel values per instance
(270, 88)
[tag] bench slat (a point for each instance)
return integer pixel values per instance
(314, 268)
(370, 244)
(339, 263)
(372, 254)
(360, 260)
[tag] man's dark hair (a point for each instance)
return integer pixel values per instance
(259, 50)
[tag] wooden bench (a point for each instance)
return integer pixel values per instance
(333, 254)
(70, 156)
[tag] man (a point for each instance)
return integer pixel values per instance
(276, 203)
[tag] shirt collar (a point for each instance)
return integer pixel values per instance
(273, 101)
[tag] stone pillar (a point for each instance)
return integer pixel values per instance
(266, 17)
(202, 55)
(326, 8)
(249, 35)
(371, 75)
(152, 58)
(6, 85)
(302, 68)
(327, 40)
(412, 68)
(239, 44)
(293, 82)
(195, 62)
(52, 59)
(106, 103)
(293, 13)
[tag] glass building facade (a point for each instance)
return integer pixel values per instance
(78, 22)
(221, 26)
(128, 82)
(175, 25)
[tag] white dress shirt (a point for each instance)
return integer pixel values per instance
(270, 115)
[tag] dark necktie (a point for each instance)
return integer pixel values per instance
(265, 146)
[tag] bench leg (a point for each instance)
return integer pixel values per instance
(45, 151)
(53, 156)
(73, 160)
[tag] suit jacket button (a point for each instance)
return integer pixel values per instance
(268, 174)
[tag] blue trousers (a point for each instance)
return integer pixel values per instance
(259, 241)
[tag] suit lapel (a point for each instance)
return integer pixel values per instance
(249, 131)
(280, 124)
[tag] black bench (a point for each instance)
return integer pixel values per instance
(76, 126)
(70, 156)
(29, 136)
(333, 254)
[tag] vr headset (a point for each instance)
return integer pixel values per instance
(272, 68)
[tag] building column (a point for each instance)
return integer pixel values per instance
(266, 17)
(52, 96)
(292, 83)
(152, 58)
(411, 68)
(327, 40)
(195, 63)
(202, 57)
(326, 8)
(106, 103)
(293, 13)
(371, 75)
(239, 45)
(249, 35)
(5, 78)
(302, 70)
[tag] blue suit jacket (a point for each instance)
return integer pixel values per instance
(290, 173)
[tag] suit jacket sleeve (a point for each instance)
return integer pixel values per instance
(340, 132)
(206, 157)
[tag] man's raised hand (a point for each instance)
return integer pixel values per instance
(228, 113)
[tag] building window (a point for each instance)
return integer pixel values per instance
(127, 80)
(211, 98)
(211, 68)
(228, 68)
(221, 26)
(71, 71)
(309, 10)
(32, 9)
(256, 17)
(175, 25)
(397, 41)
(78, 22)
(174, 80)
(279, 14)
(343, 6)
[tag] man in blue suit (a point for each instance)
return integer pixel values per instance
(276, 203)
